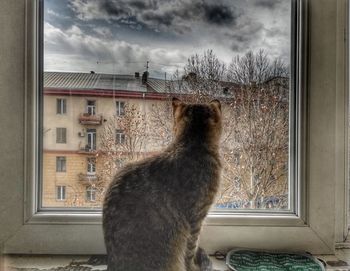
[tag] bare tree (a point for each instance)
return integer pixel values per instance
(255, 68)
(255, 135)
(202, 79)
(256, 160)
(122, 139)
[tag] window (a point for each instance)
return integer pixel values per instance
(91, 139)
(120, 108)
(91, 107)
(253, 76)
(61, 106)
(90, 194)
(61, 135)
(314, 232)
(61, 192)
(119, 137)
(91, 165)
(60, 164)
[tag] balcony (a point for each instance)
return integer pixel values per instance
(88, 119)
(87, 150)
(87, 178)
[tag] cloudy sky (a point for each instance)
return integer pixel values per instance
(120, 36)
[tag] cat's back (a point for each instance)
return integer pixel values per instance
(138, 216)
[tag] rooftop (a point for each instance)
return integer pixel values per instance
(93, 81)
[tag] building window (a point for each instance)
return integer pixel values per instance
(120, 108)
(91, 137)
(119, 137)
(91, 107)
(61, 106)
(60, 164)
(61, 135)
(90, 194)
(91, 166)
(60, 192)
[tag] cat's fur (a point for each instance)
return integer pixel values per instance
(154, 209)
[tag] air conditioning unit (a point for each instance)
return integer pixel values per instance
(81, 134)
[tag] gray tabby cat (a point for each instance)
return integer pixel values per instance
(154, 209)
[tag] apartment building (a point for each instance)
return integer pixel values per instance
(94, 123)
(77, 107)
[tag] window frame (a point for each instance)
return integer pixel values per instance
(91, 109)
(91, 138)
(119, 137)
(59, 166)
(91, 166)
(120, 109)
(61, 135)
(314, 233)
(61, 190)
(61, 104)
(90, 194)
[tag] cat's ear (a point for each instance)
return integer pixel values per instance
(176, 103)
(216, 103)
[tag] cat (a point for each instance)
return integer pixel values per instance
(153, 209)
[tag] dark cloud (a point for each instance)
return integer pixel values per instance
(159, 15)
(219, 14)
(142, 5)
(112, 9)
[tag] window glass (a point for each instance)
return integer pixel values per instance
(120, 108)
(131, 63)
(60, 164)
(61, 106)
(91, 165)
(61, 192)
(61, 135)
(119, 136)
(91, 194)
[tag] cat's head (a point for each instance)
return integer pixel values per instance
(203, 120)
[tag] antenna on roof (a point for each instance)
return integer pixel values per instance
(147, 65)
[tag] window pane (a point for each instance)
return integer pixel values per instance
(61, 164)
(61, 192)
(61, 136)
(127, 66)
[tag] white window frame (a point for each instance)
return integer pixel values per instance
(91, 139)
(61, 104)
(91, 165)
(91, 109)
(59, 166)
(120, 105)
(61, 135)
(90, 194)
(61, 192)
(316, 228)
(119, 137)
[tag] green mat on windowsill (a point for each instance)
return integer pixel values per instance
(250, 260)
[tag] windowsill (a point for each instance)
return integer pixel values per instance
(24, 262)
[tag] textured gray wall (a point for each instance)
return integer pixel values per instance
(12, 36)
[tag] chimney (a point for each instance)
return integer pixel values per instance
(92, 72)
(144, 77)
(137, 75)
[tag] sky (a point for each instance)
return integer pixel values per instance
(120, 36)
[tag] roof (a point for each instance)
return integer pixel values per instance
(93, 81)
(98, 84)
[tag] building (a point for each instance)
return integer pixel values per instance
(76, 108)
(94, 123)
